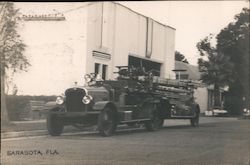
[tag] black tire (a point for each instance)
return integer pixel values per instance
(195, 121)
(54, 125)
(156, 122)
(107, 122)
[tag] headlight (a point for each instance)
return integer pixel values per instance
(86, 99)
(245, 110)
(59, 100)
(87, 78)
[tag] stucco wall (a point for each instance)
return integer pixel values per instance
(56, 50)
(100, 35)
(130, 38)
(130, 35)
(127, 35)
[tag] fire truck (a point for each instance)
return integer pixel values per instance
(136, 97)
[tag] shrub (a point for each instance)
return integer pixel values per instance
(17, 104)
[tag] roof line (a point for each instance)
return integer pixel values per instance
(142, 14)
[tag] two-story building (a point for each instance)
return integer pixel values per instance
(64, 41)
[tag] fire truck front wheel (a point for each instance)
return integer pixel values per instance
(106, 122)
(54, 125)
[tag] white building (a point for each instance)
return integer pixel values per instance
(67, 40)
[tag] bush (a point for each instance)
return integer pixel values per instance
(18, 104)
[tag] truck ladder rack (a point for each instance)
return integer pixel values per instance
(177, 83)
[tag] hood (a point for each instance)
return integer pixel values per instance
(98, 93)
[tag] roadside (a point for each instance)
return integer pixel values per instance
(33, 128)
(38, 127)
(16, 126)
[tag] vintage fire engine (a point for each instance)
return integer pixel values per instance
(136, 97)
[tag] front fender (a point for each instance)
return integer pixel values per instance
(57, 109)
(52, 104)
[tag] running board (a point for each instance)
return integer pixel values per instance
(182, 117)
(139, 120)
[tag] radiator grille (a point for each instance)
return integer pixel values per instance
(74, 100)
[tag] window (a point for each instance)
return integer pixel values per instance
(97, 68)
(101, 69)
(104, 71)
(182, 76)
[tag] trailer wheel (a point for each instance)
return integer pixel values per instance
(106, 122)
(54, 125)
(155, 121)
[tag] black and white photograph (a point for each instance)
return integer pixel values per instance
(125, 83)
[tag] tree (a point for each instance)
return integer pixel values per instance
(216, 70)
(11, 50)
(228, 62)
(233, 41)
(180, 57)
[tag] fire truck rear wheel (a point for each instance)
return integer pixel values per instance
(54, 125)
(106, 122)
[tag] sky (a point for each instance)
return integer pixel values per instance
(193, 20)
